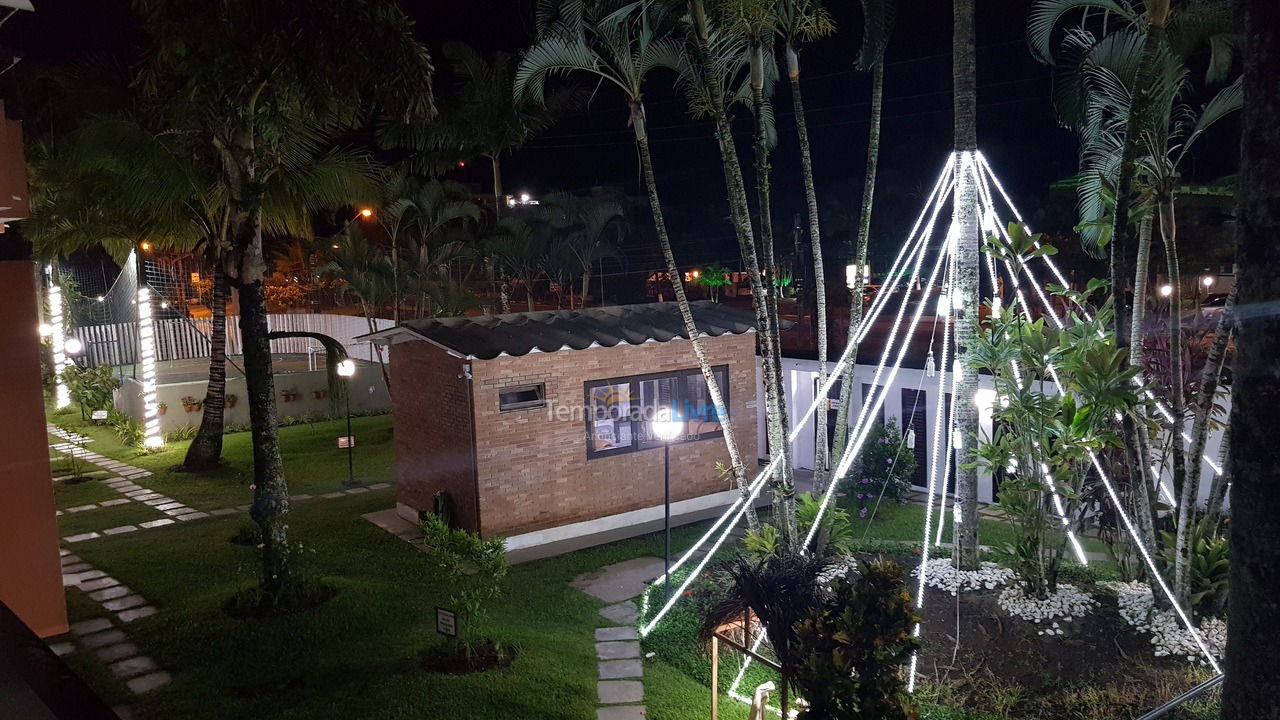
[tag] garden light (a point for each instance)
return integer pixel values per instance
(347, 368)
(366, 212)
(664, 427)
(1208, 281)
(73, 346)
(1166, 290)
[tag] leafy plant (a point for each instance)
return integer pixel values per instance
(886, 468)
(184, 432)
(91, 388)
(1210, 560)
(472, 567)
(834, 537)
(127, 430)
(714, 277)
(853, 645)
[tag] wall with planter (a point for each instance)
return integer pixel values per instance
(298, 394)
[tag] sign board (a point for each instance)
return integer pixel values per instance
(347, 441)
(446, 622)
(99, 414)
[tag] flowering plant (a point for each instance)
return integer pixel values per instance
(884, 471)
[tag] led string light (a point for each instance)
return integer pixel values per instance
(738, 509)
(939, 432)
(1128, 523)
(57, 340)
(152, 437)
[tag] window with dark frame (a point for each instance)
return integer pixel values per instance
(522, 397)
(618, 410)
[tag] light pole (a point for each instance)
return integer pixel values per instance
(346, 369)
(666, 428)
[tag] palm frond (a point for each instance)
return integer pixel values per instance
(1045, 15)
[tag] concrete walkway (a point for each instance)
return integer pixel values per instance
(620, 671)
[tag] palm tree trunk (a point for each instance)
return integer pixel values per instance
(860, 255)
(586, 285)
(819, 275)
(1143, 497)
(1177, 393)
(1252, 688)
(1141, 270)
(497, 186)
(682, 302)
(205, 450)
(964, 78)
(1218, 490)
(1214, 364)
(776, 417)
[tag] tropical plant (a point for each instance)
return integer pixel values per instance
(90, 387)
(619, 42)
(714, 277)
(127, 430)
(884, 469)
(853, 647)
(1057, 392)
(262, 83)
(834, 538)
(1208, 570)
(472, 568)
(590, 231)
(367, 273)
(777, 592)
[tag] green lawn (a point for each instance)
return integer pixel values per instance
(313, 463)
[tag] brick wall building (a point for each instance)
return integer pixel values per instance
(537, 420)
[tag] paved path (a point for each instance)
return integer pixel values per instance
(619, 669)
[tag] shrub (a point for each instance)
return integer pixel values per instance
(471, 567)
(178, 434)
(852, 647)
(885, 468)
(1207, 571)
(91, 388)
(127, 430)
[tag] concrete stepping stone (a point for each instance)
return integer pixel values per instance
(76, 568)
(82, 508)
(120, 530)
(617, 650)
(618, 669)
(63, 648)
(119, 651)
(617, 633)
(193, 516)
(329, 496)
(100, 583)
(158, 523)
(124, 603)
(620, 581)
(621, 712)
(113, 503)
(623, 613)
(80, 577)
(81, 537)
(68, 558)
(147, 683)
(134, 613)
(133, 667)
(356, 490)
(224, 511)
(617, 692)
(109, 593)
(299, 497)
(84, 627)
(103, 639)
(379, 486)
(169, 506)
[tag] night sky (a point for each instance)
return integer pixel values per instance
(1017, 129)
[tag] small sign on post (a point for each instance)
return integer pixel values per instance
(446, 622)
(99, 415)
(346, 441)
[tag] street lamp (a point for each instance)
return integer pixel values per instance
(665, 427)
(347, 369)
(1166, 290)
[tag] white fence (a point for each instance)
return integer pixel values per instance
(183, 338)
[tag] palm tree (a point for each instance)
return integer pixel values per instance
(877, 26)
(965, 102)
(593, 226)
(259, 83)
(519, 248)
(368, 275)
(1251, 661)
(803, 21)
(619, 43)
(484, 117)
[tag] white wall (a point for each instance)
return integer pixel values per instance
(801, 379)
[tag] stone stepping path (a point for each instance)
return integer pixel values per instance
(102, 636)
(619, 668)
(133, 492)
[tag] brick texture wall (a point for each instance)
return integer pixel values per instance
(433, 430)
(532, 464)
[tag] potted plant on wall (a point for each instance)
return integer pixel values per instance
(162, 408)
(231, 400)
(289, 395)
(191, 404)
(319, 394)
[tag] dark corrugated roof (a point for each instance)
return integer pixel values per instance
(488, 336)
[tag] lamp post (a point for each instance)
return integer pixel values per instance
(346, 369)
(666, 428)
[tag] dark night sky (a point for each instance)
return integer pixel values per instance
(1017, 129)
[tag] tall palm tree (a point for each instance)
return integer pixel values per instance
(877, 26)
(1250, 688)
(258, 83)
(618, 43)
(368, 275)
(593, 227)
(965, 103)
(518, 248)
(800, 21)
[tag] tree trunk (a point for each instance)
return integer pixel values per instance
(1141, 269)
(498, 199)
(205, 450)
(776, 419)
(1251, 690)
(860, 253)
(820, 462)
(682, 302)
(964, 71)
(1203, 406)
(1177, 393)
(1218, 490)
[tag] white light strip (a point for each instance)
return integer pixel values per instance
(152, 438)
(1137, 540)
(58, 341)
(941, 433)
